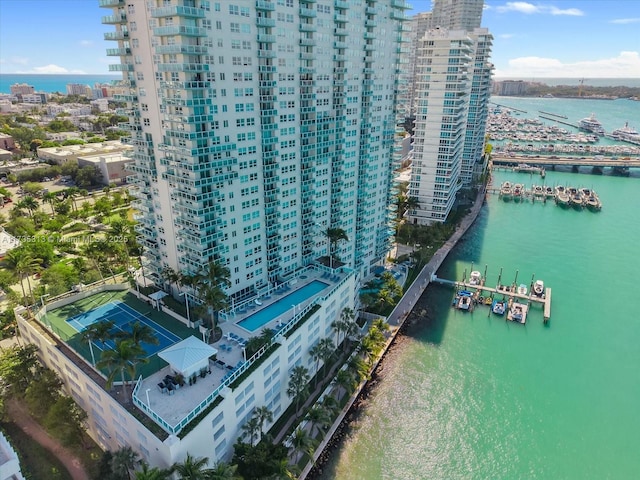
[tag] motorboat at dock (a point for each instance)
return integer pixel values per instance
(549, 192)
(475, 278)
(562, 197)
(506, 191)
(522, 289)
(538, 288)
(592, 202)
(591, 124)
(499, 307)
(518, 312)
(518, 192)
(576, 197)
(463, 300)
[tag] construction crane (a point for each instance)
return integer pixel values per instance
(581, 82)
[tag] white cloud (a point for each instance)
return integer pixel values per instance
(86, 43)
(625, 21)
(52, 69)
(530, 9)
(625, 65)
(506, 35)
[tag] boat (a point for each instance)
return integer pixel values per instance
(475, 278)
(626, 133)
(592, 202)
(538, 288)
(506, 191)
(522, 289)
(575, 198)
(549, 192)
(518, 189)
(499, 307)
(518, 312)
(464, 300)
(591, 124)
(538, 191)
(562, 197)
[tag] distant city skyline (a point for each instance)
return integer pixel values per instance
(533, 40)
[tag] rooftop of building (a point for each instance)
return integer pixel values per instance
(277, 309)
(87, 148)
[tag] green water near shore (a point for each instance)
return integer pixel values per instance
(468, 395)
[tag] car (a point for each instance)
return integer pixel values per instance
(46, 179)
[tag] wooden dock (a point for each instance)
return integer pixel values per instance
(508, 291)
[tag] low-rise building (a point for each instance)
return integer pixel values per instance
(7, 142)
(7, 241)
(204, 417)
(60, 155)
(111, 166)
(9, 463)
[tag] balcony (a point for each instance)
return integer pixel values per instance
(122, 35)
(183, 67)
(121, 67)
(171, 30)
(182, 49)
(264, 5)
(118, 52)
(111, 3)
(341, 4)
(266, 38)
(115, 19)
(307, 12)
(307, 42)
(266, 54)
(307, 27)
(178, 11)
(265, 22)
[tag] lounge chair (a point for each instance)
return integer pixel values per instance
(258, 302)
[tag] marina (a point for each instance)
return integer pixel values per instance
(514, 299)
(563, 196)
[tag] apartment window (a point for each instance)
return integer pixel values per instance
(235, 27)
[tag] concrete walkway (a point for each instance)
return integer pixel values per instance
(19, 415)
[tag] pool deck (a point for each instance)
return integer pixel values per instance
(173, 408)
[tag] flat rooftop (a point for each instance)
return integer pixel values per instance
(272, 310)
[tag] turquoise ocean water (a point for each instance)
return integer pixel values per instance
(52, 83)
(470, 396)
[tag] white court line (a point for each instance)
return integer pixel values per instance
(154, 324)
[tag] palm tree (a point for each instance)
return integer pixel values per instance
(222, 471)
(330, 404)
(359, 367)
(319, 419)
(155, 473)
(22, 264)
(29, 203)
(345, 381)
(93, 250)
(99, 331)
(327, 350)
(192, 468)
(351, 329)
(50, 198)
(341, 324)
(250, 429)
(381, 325)
(124, 461)
(123, 358)
(210, 286)
(334, 236)
(140, 333)
(264, 415)
(298, 385)
(302, 443)
(316, 354)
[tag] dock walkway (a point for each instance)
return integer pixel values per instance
(509, 291)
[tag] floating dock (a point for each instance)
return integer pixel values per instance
(506, 290)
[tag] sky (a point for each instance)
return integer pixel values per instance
(557, 38)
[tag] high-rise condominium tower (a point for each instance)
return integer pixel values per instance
(258, 125)
(457, 14)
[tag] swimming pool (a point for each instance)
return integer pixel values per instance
(264, 316)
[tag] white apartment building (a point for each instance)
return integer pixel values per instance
(453, 85)
(255, 127)
(258, 125)
(78, 89)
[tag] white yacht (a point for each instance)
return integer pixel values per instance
(626, 133)
(591, 124)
